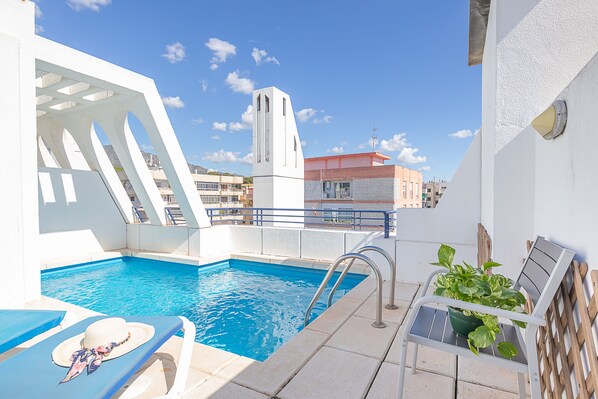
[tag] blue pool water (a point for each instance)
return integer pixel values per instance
(247, 308)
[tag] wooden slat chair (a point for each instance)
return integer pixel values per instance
(542, 273)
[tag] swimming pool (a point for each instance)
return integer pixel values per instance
(248, 308)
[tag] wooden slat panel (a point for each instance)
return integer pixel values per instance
(586, 327)
(575, 348)
(566, 370)
(561, 328)
(484, 246)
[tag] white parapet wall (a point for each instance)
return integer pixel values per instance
(77, 215)
(277, 242)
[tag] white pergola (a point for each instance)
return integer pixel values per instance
(75, 90)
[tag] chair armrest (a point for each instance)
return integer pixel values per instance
(474, 307)
(429, 280)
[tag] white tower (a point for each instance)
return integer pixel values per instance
(277, 157)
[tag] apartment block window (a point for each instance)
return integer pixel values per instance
(336, 189)
(405, 190)
(284, 106)
(411, 189)
(207, 186)
(429, 190)
(210, 199)
(417, 190)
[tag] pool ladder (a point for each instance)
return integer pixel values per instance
(378, 323)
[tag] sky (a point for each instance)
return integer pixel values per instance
(352, 68)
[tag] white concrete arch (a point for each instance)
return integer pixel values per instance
(44, 157)
(116, 127)
(64, 148)
(83, 132)
(151, 113)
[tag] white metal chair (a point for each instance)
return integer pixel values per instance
(542, 273)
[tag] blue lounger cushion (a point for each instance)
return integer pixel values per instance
(20, 325)
(32, 374)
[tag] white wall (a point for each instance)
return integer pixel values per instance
(323, 245)
(77, 214)
(537, 51)
(454, 222)
(19, 269)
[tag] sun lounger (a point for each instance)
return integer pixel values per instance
(32, 373)
(18, 326)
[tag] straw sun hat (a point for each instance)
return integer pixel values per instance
(103, 332)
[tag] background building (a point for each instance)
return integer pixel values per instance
(433, 191)
(360, 181)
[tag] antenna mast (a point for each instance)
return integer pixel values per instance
(374, 139)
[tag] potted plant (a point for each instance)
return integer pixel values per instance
(480, 286)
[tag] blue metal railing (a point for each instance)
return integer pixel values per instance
(354, 219)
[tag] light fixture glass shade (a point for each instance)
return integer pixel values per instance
(551, 123)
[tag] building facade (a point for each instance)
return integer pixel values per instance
(433, 191)
(216, 191)
(360, 181)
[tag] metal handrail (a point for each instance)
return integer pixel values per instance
(393, 275)
(356, 219)
(378, 323)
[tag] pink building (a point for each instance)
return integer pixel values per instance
(360, 181)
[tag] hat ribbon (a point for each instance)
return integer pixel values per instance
(90, 358)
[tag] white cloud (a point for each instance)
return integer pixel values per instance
(94, 5)
(39, 29)
(408, 156)
(247, 117)
(204, 85)
(173, 102)
(396, 143)
(222, 156)
(246, 121)
(215, 137)
(309, 114)
(235, 126)
(424, 168)
(197, 121)
(238, 84)
(303, 143)
(337, 150)
(324, 119)
(305, 114)
(261, 57)
(219, 126)
(248, 159)
(222, 50)
(175, 52)
(463, 134)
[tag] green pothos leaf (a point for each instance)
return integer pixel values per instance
(482, 337)
(507, 349)
(472, 347)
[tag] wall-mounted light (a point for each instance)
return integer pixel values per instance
(551, 123)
